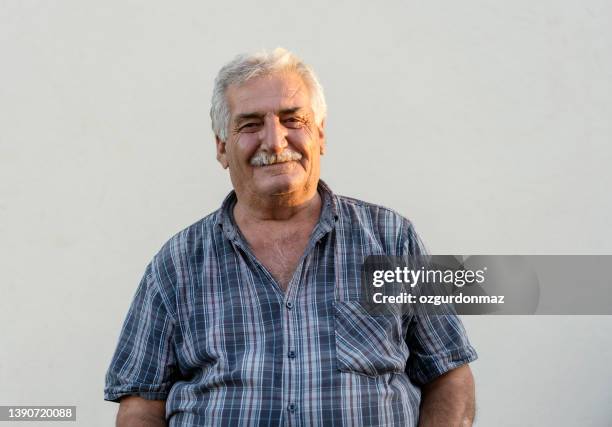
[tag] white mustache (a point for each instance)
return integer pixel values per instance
(262, 158)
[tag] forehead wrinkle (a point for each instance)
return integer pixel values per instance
(281, 94)
(261, 115)
(271, 102)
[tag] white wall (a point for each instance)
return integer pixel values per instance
(485, 122)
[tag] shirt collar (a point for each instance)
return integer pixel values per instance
(327, 220)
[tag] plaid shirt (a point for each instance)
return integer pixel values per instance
(212, 333)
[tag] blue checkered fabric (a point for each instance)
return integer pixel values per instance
(212, 333)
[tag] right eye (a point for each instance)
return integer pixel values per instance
(249, 127)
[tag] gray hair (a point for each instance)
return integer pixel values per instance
(248, 66)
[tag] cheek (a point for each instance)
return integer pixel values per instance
(303, 141)
(245, 146)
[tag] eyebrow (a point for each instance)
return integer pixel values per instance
(259, 115)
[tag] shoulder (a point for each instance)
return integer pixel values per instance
(368, 214)
(394, 231)
(173, 261)
(351, 205)
(192, 237)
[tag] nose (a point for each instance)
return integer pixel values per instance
(273, 135)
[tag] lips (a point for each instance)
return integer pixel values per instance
(278, 164)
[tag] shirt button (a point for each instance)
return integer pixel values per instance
(289, 305)
(291, 354)
(291, 407)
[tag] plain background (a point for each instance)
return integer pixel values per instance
(487, 123)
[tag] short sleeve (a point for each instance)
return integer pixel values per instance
(144, 362)
(437, 343)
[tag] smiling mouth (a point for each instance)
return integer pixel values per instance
(288, 162)
(264, 159)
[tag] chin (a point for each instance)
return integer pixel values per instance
(279, 185)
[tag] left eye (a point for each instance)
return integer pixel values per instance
(293, 122)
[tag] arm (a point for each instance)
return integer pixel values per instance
(448, 401)
(144, 366)
(135, 411)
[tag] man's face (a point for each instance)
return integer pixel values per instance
(273, 145)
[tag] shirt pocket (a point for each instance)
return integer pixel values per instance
(368, 344)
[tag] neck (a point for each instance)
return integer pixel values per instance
(277, 210)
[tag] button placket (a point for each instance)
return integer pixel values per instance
(290, 334)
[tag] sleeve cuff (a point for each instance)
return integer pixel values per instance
(432, 366)
(149, 392)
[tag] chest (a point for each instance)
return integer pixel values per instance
(280, 254)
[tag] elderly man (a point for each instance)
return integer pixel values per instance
(251, 316)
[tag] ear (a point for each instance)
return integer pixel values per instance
(321, 130)
(221, 153)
